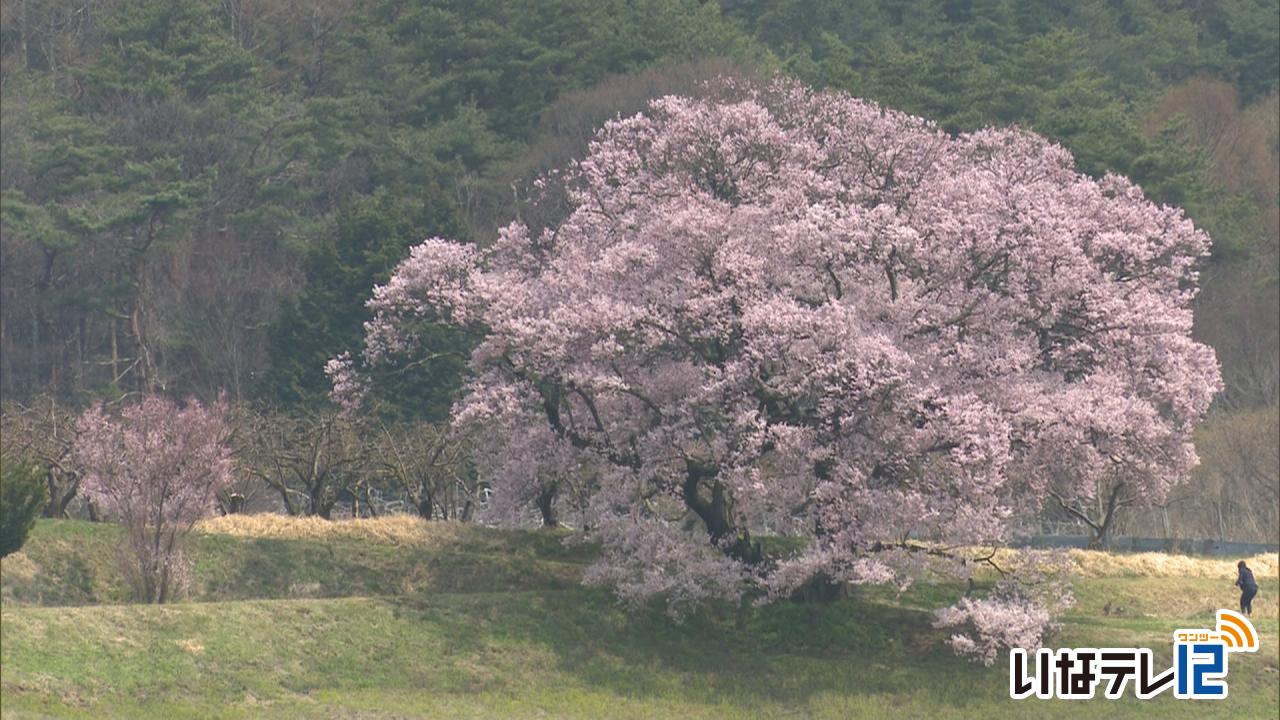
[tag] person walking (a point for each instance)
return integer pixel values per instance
(1248, 587)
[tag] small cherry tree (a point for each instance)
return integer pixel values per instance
(157, 467)
(770, 310)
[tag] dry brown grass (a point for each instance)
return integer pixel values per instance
(19, 567)
(412, 530)
(1096, 563)
(393, 529)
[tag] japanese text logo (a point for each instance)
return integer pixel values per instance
(1199, 670)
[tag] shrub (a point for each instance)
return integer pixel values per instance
(22, 496)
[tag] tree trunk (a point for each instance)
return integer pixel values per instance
(289, 507)
(716, 514)
(56, 507)
(546, 505)
(1102, 532)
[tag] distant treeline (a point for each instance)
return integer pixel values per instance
(198, 197)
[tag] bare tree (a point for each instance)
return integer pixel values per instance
(428, 465)
(310, 460)
(43, 432)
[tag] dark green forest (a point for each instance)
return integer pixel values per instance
(199, 196)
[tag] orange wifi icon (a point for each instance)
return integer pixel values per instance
(1236, 631)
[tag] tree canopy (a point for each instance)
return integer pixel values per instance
(775, 310)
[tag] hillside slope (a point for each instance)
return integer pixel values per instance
(425, 626)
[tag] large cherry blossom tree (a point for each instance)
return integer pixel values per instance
(773, 310)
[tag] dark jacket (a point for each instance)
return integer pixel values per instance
(1245, 581)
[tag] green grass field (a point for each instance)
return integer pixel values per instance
(484, 623)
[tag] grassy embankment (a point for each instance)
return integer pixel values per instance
(400, 618)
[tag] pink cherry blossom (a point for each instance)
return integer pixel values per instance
(779, 311)
(157, 468)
